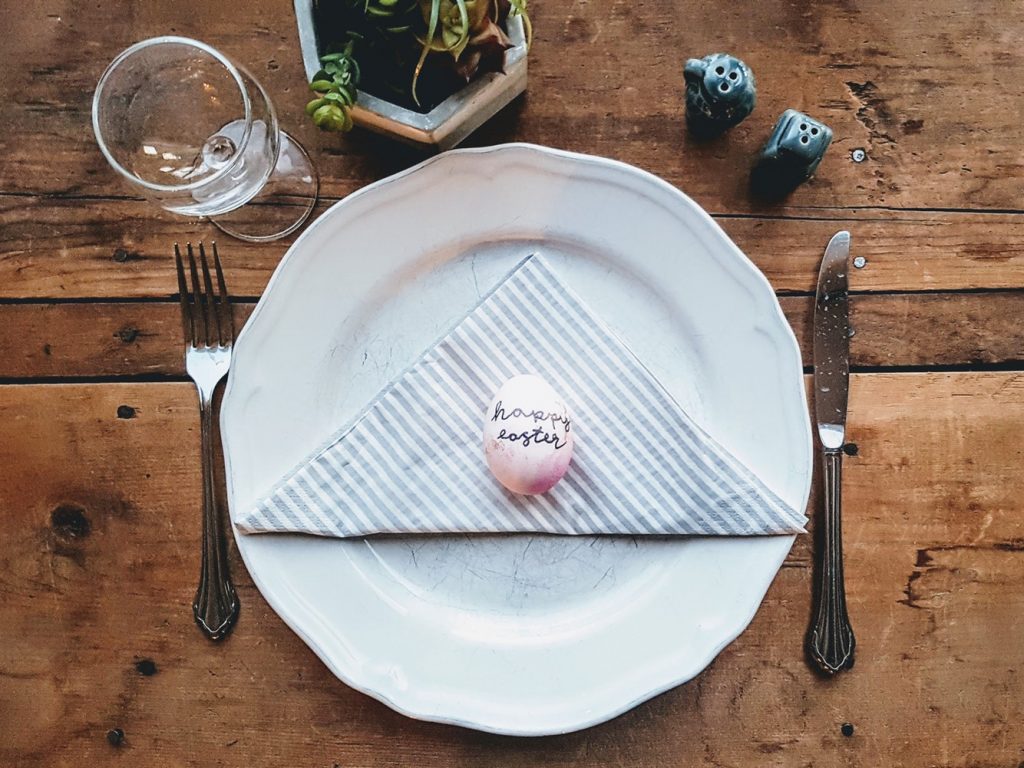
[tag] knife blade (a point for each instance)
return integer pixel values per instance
(832, 343)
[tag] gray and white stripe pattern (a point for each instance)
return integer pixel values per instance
(412, 462)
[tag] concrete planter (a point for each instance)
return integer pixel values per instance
(449, 122)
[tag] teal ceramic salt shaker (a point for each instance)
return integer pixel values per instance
(791, 154)
(720, 93)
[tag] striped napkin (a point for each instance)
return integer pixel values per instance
(412, 461)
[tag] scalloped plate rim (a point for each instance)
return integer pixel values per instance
(351, 675)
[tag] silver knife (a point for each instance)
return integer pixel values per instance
(830, 642)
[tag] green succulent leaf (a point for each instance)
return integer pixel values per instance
(331, 117)
(435, 13)
(462, 29)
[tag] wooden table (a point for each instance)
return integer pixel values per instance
(99, 443)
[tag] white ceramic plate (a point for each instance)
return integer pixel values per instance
(518, 634)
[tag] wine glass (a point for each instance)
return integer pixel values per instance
(199, 136)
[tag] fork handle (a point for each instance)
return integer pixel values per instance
(831, 641)
(215, 605)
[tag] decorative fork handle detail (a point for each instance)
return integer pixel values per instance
(831, 641)
(215, 605)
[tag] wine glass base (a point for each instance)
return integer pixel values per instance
(284, 203)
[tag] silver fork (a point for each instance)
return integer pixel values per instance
(209, 334)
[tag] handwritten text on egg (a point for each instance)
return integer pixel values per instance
(538, 434)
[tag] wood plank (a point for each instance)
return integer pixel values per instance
(932, 91)
(98, 565)
(924, 329)
(110, 249)
(131, 339)
(55, 340)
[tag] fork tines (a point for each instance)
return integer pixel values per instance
(205, 310)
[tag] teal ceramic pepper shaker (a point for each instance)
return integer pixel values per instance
(720, 93)
(791, 155)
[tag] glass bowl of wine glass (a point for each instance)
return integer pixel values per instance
(198, 135)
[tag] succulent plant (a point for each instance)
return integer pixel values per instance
(458, 28)
(393, 16)
(336, 85)
(445, 42)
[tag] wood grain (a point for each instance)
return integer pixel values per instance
(53, 341)
(99, 489)
(114, 248)
(98, 564)
(932, 91)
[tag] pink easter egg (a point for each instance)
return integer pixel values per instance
(528, 437)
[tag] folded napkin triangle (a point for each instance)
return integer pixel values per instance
(412, 461)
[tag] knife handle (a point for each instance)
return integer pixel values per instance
(830, 642)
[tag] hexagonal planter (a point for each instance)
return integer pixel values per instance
(449, 122)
